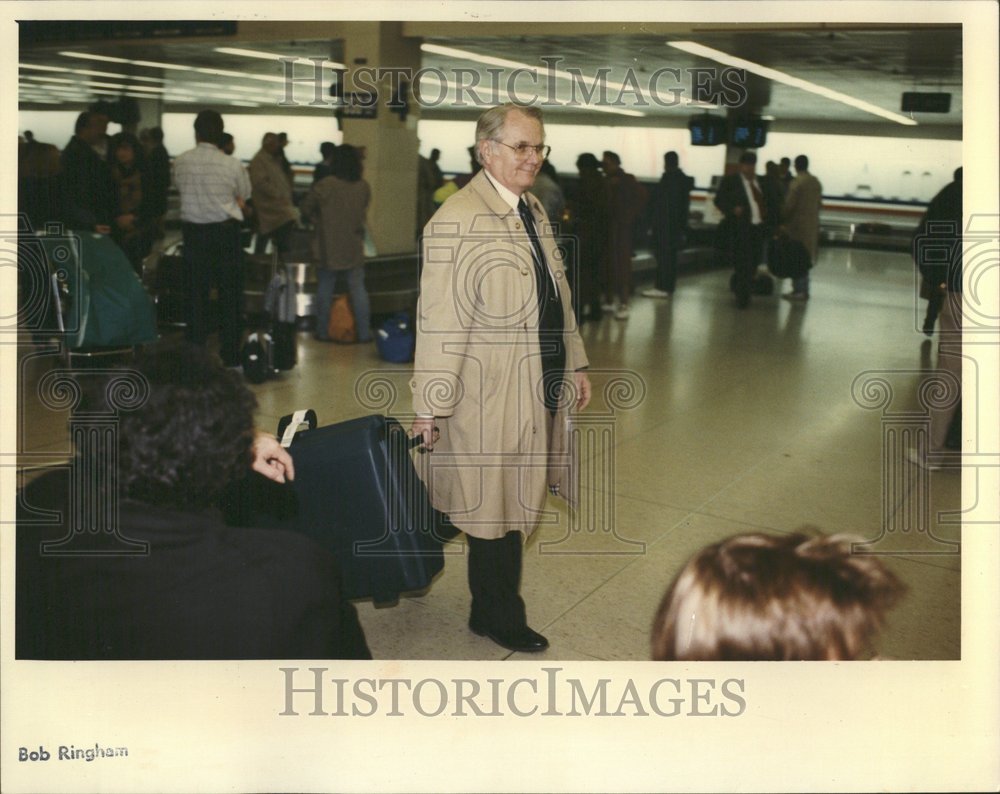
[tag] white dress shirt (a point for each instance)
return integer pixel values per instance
(211, 183)
(755, 217)
(513, 200)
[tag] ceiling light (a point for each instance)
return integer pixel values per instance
(117, 76)
(91, 73)
(270, 56)
(158, 65)
(787, 79)
(243, 75)
(562, 103)
(39, 67)
(91, 57)
(489, 60)
(51, 79)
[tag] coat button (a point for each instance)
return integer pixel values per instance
(524, 271)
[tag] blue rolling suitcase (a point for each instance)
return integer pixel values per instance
(357, 493)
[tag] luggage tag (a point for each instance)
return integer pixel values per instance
(289, 425)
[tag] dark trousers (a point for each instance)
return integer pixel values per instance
(588, 276)
(666, 252)
(213, 257)
(619, 262)
(495, 582)
(746, 249)
(281, 237)
(935, 301)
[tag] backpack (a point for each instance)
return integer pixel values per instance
(395, 339)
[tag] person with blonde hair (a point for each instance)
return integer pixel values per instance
(758, 597)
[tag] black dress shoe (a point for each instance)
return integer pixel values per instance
(523, 640)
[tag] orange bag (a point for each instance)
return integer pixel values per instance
(341, 327)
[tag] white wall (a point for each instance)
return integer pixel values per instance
(305, 133)
(893, 168)
(52, 126)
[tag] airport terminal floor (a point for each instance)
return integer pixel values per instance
(720, 422)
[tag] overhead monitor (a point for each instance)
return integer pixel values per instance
(748, 133)
(707, 130)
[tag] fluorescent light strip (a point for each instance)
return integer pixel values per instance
(39, 67)
(598, 108)
(118, 76)
(451, 52)
(781, 77)
(215, 86)
(51, 79)
(91, 73)
(179, 67)
(270, 56)
(91, 57)
(102, 91)
(94, 83)
(157, 65)
(153, 89)
(230, 73)
(60, 89)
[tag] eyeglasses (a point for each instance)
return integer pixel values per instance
(523, 150)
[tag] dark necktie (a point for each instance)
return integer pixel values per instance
(536, 247)
(551, 322)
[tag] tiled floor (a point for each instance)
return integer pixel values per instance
(722, 421)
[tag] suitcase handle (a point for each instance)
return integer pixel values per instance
(288, 425)
(411, 443)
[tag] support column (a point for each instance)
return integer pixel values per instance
(150, 114)
(371, 50)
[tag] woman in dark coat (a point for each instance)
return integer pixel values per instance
(136, 217)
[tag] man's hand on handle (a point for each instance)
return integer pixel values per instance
(424, 427)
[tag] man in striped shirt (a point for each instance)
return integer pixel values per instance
(213, 188)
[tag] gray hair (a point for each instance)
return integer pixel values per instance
(492, 121)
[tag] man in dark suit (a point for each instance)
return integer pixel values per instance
(88, 198)
(171, 580)
(669, 210)
(740, 199)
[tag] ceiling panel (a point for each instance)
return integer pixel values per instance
(874, 65)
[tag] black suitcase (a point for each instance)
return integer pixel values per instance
(787, 258)
(761, 284)
(284, 338)
(356, 493)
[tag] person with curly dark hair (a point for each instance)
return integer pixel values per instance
(201, 590)
(757, 597)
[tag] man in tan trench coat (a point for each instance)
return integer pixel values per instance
(499, 364)
(800, 218)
